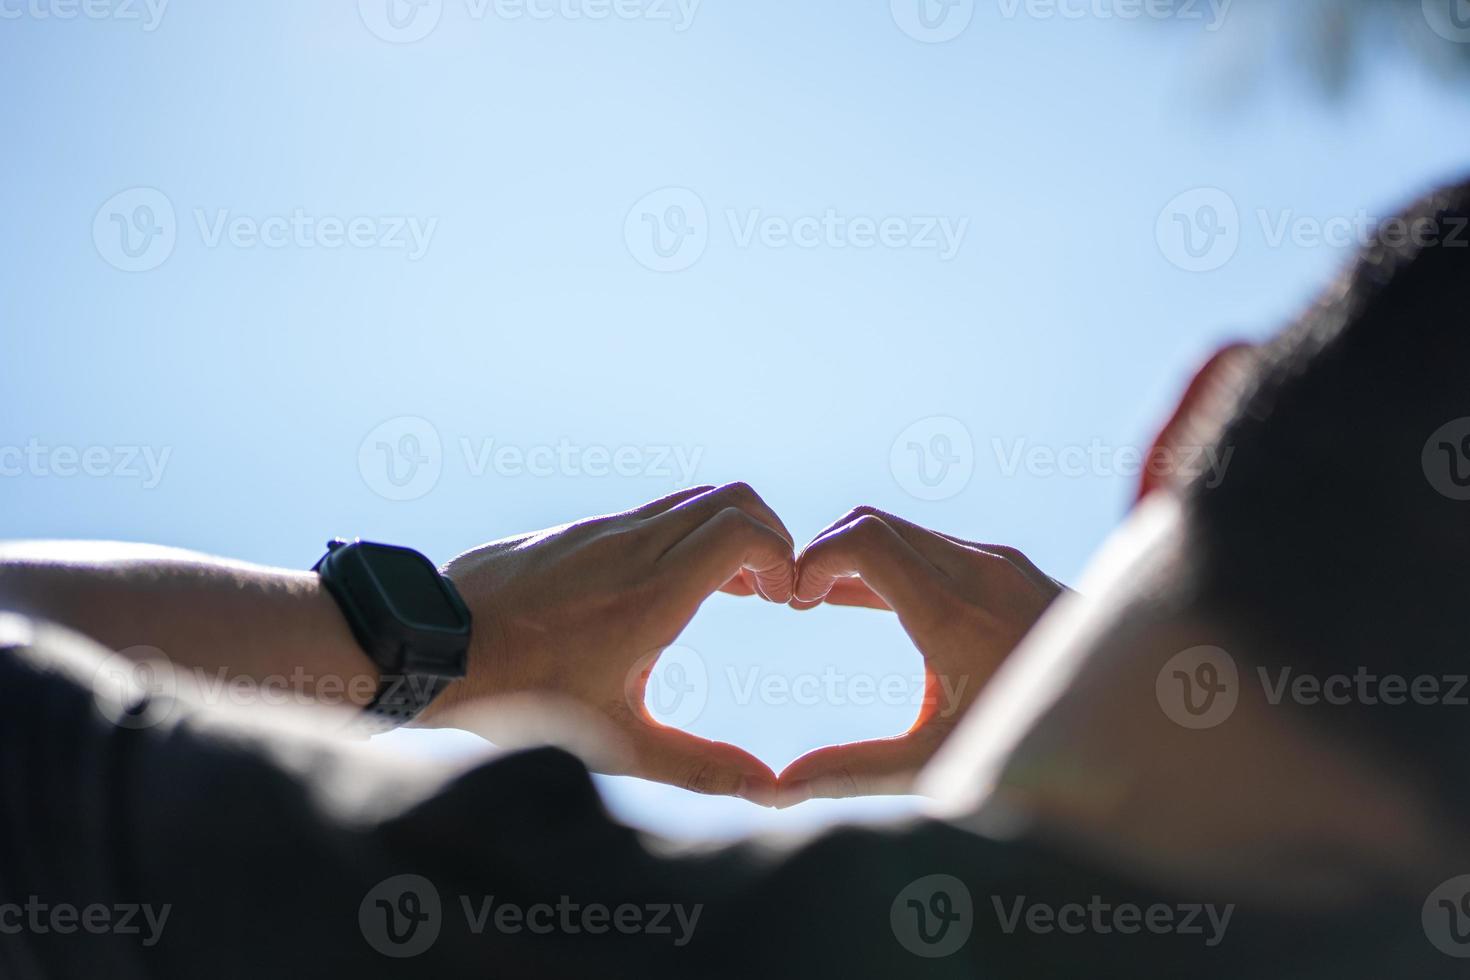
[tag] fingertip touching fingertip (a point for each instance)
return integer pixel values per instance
(761, 792)
(790, 794)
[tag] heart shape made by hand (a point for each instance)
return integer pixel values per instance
(583, 613)
(845, 675)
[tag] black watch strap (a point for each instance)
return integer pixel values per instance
(400, 699)
(407, 617)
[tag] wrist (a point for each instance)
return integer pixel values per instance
(486, 673)
(407, 618)
(345, 669)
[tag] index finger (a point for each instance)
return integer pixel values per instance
(867, 547)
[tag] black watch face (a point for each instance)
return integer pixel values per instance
(416, 591)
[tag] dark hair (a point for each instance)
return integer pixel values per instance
(1335, 539)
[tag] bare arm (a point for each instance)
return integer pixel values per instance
(223, 619)
(576, 613)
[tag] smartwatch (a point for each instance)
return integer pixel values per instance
(408, 618)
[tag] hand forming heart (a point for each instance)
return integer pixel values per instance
(578, 610)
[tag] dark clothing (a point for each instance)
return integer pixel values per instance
(272, 861)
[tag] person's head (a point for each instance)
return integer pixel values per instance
(1338, 540)
(1331, 542)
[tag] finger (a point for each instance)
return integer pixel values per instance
(847, 592)
(953, 563)
(681, 520)
(880, 767)
(655, 507)
(741, 584)
(948, 554)
(1027, 567)
(726, 544)
(912, 532)
(870, 548)
(699, 765)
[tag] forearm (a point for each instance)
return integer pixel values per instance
(221, 619)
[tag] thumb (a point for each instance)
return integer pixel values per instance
(699, 765)
(881, 767)
(733, 542)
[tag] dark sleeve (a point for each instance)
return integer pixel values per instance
(203, 849)
(208, 849)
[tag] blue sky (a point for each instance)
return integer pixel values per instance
(341, 241)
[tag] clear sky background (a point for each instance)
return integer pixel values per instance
(535, 156)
